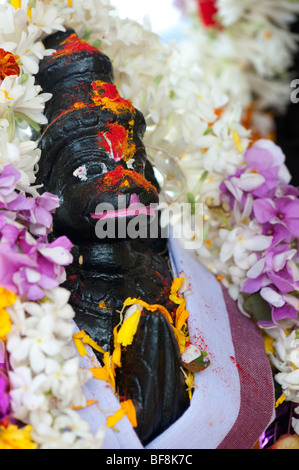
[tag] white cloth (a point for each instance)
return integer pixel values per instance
(216, 402)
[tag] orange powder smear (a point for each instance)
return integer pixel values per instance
(121, 178)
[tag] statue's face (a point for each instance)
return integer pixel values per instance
(98, 164)
(92, 150)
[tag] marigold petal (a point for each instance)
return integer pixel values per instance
(101, 373)
(237, 141)
(113, 420)
(80, 347)
(151, 308)
(12, 437)
(128, 329)
(5, 323)
(181, 339)
(130, 410)
(181, 315)
(280, 400)
(116, 355)
(7, 297)
(175, 286)
(88, 340)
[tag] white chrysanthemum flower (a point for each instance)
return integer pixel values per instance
(23, 155)
(46, 18)
(241, 243)
(286, 361)
(28, 52)
(24, 99)
(26, 394)
(63, 434)
(251, 54)
(74, 433)
(12, 22)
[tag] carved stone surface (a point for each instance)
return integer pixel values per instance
(92, 153)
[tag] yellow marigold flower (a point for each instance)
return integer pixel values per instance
(12, 437)
(7, 298)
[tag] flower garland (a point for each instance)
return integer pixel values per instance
(244, 187)
(43, 381)
(248, 45)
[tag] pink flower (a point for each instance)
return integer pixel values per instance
(29, 265)
(282, 210)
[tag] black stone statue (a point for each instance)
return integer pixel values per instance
(92, 153)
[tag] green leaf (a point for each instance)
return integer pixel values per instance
(258, 307)
(158, 79)
(32, 123)
(97, 43)
(209, 130)
(87, 33)
(24, 78)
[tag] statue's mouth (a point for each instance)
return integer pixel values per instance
(134, 209)
(127, 194)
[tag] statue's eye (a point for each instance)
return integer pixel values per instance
(97, 169)
(94, 169)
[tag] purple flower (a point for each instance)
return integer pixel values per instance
(39, 214)
(10, 263)
(4, 395)
(279, 232)
(282, 210)
(29, 265)
(284, 312)
(47, 272)
(267, 159)
(276, 267)
(4, 385)
(8, 179)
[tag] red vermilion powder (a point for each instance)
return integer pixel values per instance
(73, 45)
(117, 141)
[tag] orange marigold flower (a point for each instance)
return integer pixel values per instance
(8, 64)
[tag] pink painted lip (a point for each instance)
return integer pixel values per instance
(135, 208)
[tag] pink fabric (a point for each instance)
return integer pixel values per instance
(257, 393)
